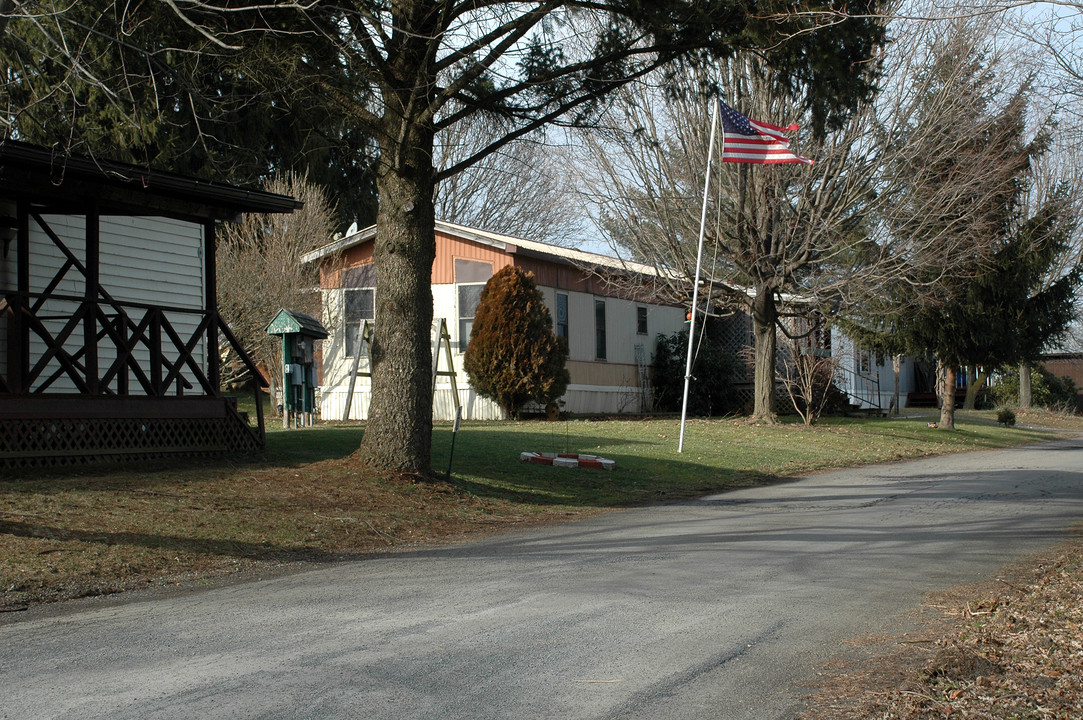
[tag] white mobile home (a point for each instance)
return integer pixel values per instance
(611, 329)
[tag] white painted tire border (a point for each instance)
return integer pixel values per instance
(568, 460)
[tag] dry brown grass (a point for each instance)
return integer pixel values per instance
(70, 535)
(1033, 418)
(108, 532)
(1011, 649)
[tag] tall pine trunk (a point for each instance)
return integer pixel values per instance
(398, 435)
(1026, 397)
(947, 399)
(764, 315)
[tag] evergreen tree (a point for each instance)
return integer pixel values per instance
(711, 390)
(137, 87)
(513, 356)
(1014, 302)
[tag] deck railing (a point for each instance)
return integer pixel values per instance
(115, 348)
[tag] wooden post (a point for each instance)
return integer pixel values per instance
(210, 288)
(286, 357)
(20, 359)
(121, 327)
(156, 351)
(91, 292)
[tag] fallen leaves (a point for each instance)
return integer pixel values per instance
(1018, 654)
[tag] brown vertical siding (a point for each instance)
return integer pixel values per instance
(1070, 366)
(555, 274)
(558, 275)
(331, 268)
(449, 247)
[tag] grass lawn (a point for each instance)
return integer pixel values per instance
(306, 499)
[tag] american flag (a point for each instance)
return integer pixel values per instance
(749, 141)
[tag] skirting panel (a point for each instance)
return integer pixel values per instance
(29, 443)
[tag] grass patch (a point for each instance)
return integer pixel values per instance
(306, 498)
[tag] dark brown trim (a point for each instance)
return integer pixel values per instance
(19, 361)
(210, 289)
(69, 183)
(92, 292)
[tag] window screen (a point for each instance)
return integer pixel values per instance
(358, 305)
(469, 297)
(599, 329)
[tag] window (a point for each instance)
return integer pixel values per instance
(641, 321)
(469, 297)
(358, 305)
(599, 329)
(562, 315)
(472, 271)
(864, 361)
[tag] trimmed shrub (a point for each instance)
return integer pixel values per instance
(513, 356)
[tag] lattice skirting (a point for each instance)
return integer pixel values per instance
(84, 441)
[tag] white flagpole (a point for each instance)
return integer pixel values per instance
(699, 263)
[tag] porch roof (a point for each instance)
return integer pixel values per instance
(72, 184)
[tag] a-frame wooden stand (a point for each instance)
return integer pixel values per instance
(442, 342)
(364, 347)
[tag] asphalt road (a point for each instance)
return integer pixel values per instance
(721, 609)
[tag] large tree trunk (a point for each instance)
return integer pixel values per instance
(764, 315)
(896, 369)
(398, 435)
(947, 399)
(1026, 398)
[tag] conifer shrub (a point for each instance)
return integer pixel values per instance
(513, 356)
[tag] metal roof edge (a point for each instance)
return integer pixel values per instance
(507, 243)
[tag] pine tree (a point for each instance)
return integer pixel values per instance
(514, 356)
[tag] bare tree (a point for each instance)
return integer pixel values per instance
(522, 189)
(260, 271)
(837, 233)
(1056, 177)
(807, 376)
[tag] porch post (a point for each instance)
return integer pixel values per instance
(210, 285)
(20, 359)
(90, 299)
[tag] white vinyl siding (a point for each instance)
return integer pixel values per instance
(597, 387)
(149, 260)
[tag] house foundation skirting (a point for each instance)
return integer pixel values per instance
(53, 432)
(578, 400)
